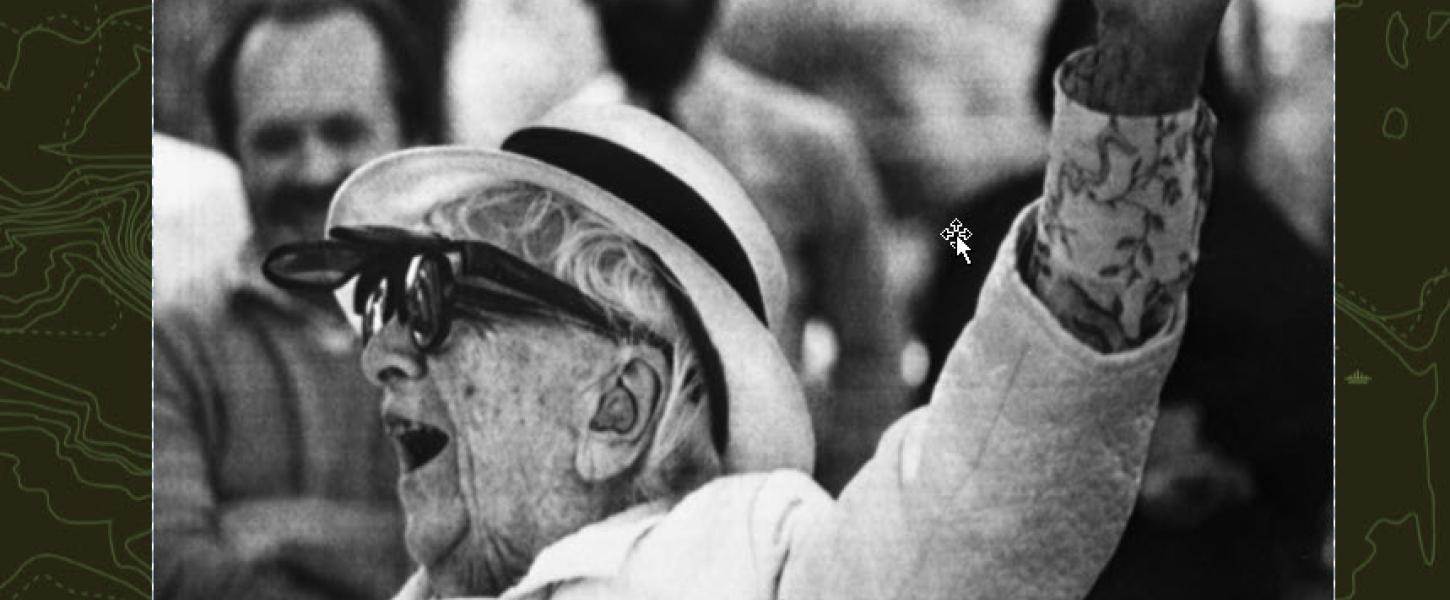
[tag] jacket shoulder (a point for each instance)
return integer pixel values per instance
(731, 536)
(782, 111)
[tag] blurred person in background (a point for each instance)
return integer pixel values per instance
(510, 62)
(199, 211)
(201, 223)
(1290, 150)
(801, 161)
(272, 473)
(939, 87)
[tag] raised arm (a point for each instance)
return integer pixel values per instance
(1128, 178)
(1018, 478)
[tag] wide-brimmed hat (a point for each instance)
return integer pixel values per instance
(657, 186)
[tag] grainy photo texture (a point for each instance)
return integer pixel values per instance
(742, 299)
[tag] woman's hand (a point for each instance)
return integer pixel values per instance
(1149, 58)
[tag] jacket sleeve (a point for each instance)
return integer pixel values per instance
(1018, 478)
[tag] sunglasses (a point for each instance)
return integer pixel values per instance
(426, 281)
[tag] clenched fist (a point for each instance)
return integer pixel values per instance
(1149, 58)
(1177, 29)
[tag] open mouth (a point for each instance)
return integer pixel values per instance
(418, 443)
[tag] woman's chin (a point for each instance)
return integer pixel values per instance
(434, 531)
(457, 574)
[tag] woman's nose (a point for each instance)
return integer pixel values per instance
(390, 356)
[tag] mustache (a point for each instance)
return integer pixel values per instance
(293, 201)
(306, 195)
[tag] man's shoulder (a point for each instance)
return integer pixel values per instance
(197, 312)
(783, 113)
(226, 322)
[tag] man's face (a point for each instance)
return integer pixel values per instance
(486, 428)
(313, 104)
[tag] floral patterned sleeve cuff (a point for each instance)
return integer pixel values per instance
(1116, 240)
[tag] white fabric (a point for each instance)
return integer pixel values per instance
(200, 222)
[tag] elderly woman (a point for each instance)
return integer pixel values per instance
(572, 337)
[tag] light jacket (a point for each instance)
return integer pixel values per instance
(1015, 481)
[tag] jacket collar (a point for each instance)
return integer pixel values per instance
(244, 275)
(242, 283)
(599, 550)
(596, 551)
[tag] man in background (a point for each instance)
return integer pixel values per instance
(803, 164)
(272, 474)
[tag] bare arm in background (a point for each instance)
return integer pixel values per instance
(857, 298)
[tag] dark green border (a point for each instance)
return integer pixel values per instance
(75, 299)
(1392, 293)
(75, 310)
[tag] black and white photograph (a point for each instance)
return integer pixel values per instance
(743, 299)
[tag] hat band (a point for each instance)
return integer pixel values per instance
(654, 191)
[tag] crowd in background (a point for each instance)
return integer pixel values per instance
(863, 127)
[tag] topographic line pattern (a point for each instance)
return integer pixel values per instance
(1392, 297)
(1412, 338)
(75, 299)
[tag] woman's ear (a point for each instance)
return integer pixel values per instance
(623, 416)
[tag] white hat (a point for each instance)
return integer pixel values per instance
(656, 185)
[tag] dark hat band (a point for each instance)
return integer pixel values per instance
(653, 191)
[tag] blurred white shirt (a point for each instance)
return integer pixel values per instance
(200, 220)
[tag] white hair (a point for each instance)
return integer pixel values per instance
(571, 242)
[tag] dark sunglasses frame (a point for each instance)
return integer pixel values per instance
(424, 279)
